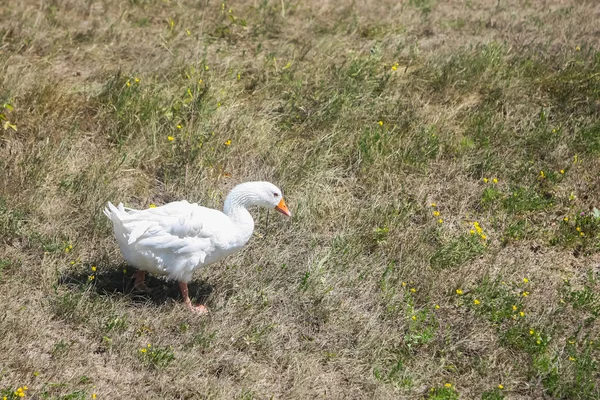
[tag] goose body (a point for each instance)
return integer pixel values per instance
(179, 237)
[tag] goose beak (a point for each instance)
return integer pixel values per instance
(282, 208)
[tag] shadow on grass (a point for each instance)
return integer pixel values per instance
(112, 281)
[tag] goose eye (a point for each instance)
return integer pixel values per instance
(275, 194)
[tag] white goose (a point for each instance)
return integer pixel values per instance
(179, 237)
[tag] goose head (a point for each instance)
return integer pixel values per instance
(270, 196)
(262, 194)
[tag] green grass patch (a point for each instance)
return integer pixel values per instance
(526, 199)
(457, 251)
(580, 232)
(156, 356)
(446, 392)
(495, 394)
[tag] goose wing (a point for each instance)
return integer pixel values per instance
(177, 227)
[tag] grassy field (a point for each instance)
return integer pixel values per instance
(441, 160)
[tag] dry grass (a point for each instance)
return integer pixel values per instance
(320, 306)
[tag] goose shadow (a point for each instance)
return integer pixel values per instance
(117, 280)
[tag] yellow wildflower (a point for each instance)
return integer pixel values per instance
(124, 271)
(472, 231)
(459, 292)
(437, 307)
(485, 180)
(566, 219)
(206, 68)
(562, 171)
(94, 395)
(514, 308)
(495, 180)
(538, 341)
(577, 48)
(414, 318)
(395, 67)
(188, 32)
(128, 83)
(522, 314)
(239, 76)
(476, 302)
(170, 138)
(440, 220)
(227, 143)
(525, 280)
(525, 294)
(152, 205)
(436, 213)
(448, 385)
(531, 331)
(413, 290)
(578, 229)
(500, 386)
(403, 284)
(137, 80)
(179, 126)
(571, 358)
(542, 175)
(433, 205)
(94, 268)
(483, 237)
(91, 278)
(380, 123)
(581, 234)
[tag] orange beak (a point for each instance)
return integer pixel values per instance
(282, 208)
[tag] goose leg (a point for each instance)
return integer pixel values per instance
(199, 309)
(139, 283)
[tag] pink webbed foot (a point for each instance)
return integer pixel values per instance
(199, 309)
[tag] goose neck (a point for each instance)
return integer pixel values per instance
(236, 205)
